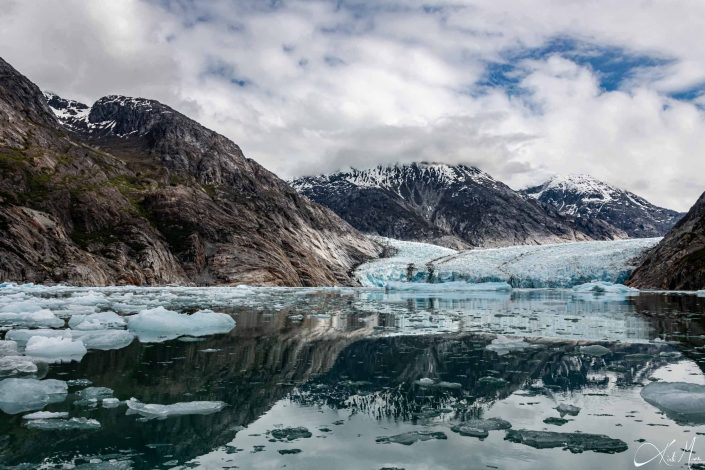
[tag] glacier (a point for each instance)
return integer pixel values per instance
(526, 266)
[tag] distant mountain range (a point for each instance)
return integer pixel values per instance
(461, 206)
(130, 191)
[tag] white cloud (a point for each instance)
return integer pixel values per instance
(328, 87)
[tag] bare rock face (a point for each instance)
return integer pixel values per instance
(457, 206)
(129, 191)
(678, 261)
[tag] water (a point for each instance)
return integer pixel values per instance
(353, 365)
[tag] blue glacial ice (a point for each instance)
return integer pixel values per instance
(526, 266)
(18, 395)
(55, 350)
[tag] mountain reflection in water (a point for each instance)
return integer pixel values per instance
(364, 364)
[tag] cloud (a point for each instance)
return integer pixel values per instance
(520, 89)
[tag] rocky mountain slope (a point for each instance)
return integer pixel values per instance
(456, 206)
(678, 261)
(591, 200)
(129, 191)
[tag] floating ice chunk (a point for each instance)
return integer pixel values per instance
(22, 336)
(466, 430)
(154, 411)
(603, 290)
(575, 442)
(36, 318)
(46, 415)
(159, 324)
(409, 438)
(594, 350)
(566, 409)
(425, 382)
(8, 348)
(18, 395)
(58, 424)
(681, 401)
(97, 321)
(503, 345)
(290, 434)
(17, 365)
(105, 339)
(110, 402)
(449, 286)
(95, 393)
(489, 424)
(55, 349)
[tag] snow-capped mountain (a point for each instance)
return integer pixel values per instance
(451, 205)
(130, 191)
(587, 198)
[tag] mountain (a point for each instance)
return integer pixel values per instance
(456, 206)
(678, 261)
(586, 198)
(130, 191)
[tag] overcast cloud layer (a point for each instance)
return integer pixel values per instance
(521, 89)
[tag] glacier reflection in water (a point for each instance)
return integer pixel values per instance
(357, 368)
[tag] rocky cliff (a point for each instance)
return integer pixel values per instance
(678, 261)
(129, 191)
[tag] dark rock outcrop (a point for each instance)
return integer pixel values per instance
(594, 202)
(678, 261)
(456, 206)
(130, 191)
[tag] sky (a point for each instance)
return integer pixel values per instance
(522, 89)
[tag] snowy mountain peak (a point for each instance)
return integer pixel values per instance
(66, 109)
(586, 197)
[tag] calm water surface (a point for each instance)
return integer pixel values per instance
(354, 367)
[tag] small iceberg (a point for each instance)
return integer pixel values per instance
(21, 336)
(503, 345)
(575, 442)
(159, 324)
(97, 321)
(449, 286)
(17, 365)
(683, 402)
(37, 318)
(8, 348)
(594, 350)
(46, 415)
(602, 290)
(412, 437)
(18, 395)
(104, 340)
(154, 411)
(59, 424)
(54, 350)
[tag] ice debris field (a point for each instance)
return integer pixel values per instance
(527, 266)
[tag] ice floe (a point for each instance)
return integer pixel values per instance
(17, 365)
(681, 401)
(46, 415)
(412, 437)
(8, 348)
(18, 395)
(21, 336)
(55, 349)
(34, 318)
(104, 339)
(155, 411)
(97, 321)
(503, 345)
(575, 442)
(159, 324)
(59, 424)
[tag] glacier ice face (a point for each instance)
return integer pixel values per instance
(154, 411)
(55, 349)
(104, 339)
(97, 321)
(681, 401)
(18, 395)
(449, 286)
(159, 324)
(526, 266)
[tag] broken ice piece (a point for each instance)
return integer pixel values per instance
(155, 411)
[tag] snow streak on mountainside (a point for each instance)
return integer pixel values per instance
(456, 206)
(557, 265)
(584, 197)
